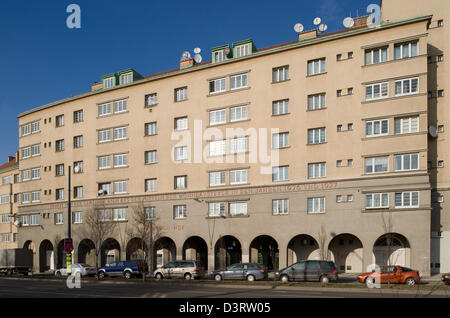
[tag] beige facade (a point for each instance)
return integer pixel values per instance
(342, 195)
(9, 188)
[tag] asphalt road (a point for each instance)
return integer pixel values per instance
(117, 288)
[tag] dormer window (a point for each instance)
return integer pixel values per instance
(126, 78)
(219, 56)
(109, 82)
(243, 50)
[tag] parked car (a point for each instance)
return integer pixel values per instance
(180, 269)
(446, 278)
(248, 271)
(393, 275)
(126, 269)
(82, 269)
(309, 271)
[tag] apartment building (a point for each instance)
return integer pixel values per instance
(316, 148)
(9, 199)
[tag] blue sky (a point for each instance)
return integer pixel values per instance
(43, 61)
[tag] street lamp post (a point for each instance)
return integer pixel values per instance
(68, 244)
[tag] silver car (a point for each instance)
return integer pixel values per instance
(247, 271)
(180, 269)
(83, 269)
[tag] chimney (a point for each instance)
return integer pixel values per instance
(97, 86)
(11, 158)
(17, 156)
(307, 35)
(360, 22)
(186, 63)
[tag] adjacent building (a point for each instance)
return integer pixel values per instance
(9, 200)
(317, 148)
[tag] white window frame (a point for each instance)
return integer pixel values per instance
(380, 52)
(26, 175)
(217, 117)
(377, 198)
(78, 141)
(317, 136)
(78, 192)
(408, 124)
(59, 145)
(26, 130)
(35, 150)
(59, 218)
(35, 127)
(280, 74)
(373, 164)
(59, 121)
(383, 89)
(217, 178)
(242, 50)
(411, 194)
(181, 94)
(120, 106)
(151, 129)
(216, 209)
(181, 153)
(109, 82)
(402, 86)
(35, 173)
(373, 125)
(181, 123)
(217, 86)
(317, 66)
(238, 176)
(280, 207)
(26, 152)
(151, 157)
(316, 205)
(104, 136)
(403, 160)
(280, 140)
(317, 101)
(217, 148)
(104, 109)
(35, 196)
(238, 145)
(59, 194)
(120, 160)
(78, 116)
(238, 208)
(26, 197)
(120, 133)
(120, 187)
(77, 217)
(239, 81)
(280, 173)
(179, 212)
(151, 185)
(119, 214)
(180, 182)
(280, 107)
(104, 162)
(238, 113)
(409, 49)
(317, 169)
(126, 78)
(151, 99)
(5, 199)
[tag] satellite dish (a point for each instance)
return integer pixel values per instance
(298, 28)
(227, 51)
(186, 56)
(198, 58)
(432, 131)
(101, 192)
(317, 21)
(348, 22)
(76, 169)
(17, 223)
(197, 50)
(323, 27)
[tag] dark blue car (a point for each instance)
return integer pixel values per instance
(126, 269)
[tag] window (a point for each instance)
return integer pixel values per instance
(104, 162)
(6, 180)
(406, 125)
(217, 117)
(242, 50)
(151, 100)
(150, 212)
(440, 93)
(120, 106)
(217, 178)
(179, 212)
(151, 157)
(440, 23)
(105, 215)
(316, 67)
(180, 94)
(151, 185)
(181, 153)
(26, 175)
(105, 188)
(77, 217)
(377, 128)
(376, 165)
(120, 133)
(350, 91)
(339, 93)
(440, 129)
(339, 163)
(77, 116)
(77, 192)
(120, 187)
(375, 56)
(219, 56)
(377, 200)
(217, 148)
(238, 145)
(349, 197)
(151, 129)
(35, 150)
(35, 173)
(120, 160)
(59, 194)
(237, 208)
(5, 237)
(59, 121)
(78, 141)
(316, 205)
(238, 176)
(35, 127)
(280, 107)
(405, 50)
(5, 218)
(78, 167)
(407, 199)
(5, 199)
(316, 136)
(280, 207)
(217, 86)
(26, 153)
(407, 87)
(26, 197)
(440, 58)
(377, 91)
(59, 145)
(104, 109)
(119, 214)
(104, 135)
(26, 129)
(280, 140)
(126, 78)
(350, 55)
(316, 170)
(59, 218)
(339, 57)
(238, 81)
(349, 127)
(406, 162)
(440, 164)
(338, 198)
(25, 220)
(180, 182)
(280, 74)
(59, 170)
(280, 173)
(316, 101)
(216, 209)
(109, 82)
(181, 123)
(238, 113)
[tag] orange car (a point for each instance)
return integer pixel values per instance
(393, 275)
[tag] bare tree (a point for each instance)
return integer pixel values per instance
(388, 229)
(146, 230)
(56, 241)
(98, 226)
(323, 249)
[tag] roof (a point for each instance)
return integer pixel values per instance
(264, 51)
(10, 165)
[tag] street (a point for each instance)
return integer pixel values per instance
(117, 288)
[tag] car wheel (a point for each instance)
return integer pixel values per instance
(101, 275)
(159, 276)
(58, 274)
(324, 280)
(369, 281)
(410, 281)
(188, 276)
(284, 278)
(250, 278)
(217, 277)
(127, 274)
